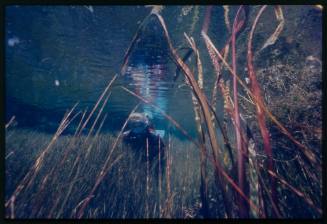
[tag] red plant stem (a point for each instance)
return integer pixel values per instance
(216, 164)
(205, 109)
(309, 156)
(230, 180)
(243, 212)
(306, 151)
(235, 116)
(213, 56)
(260, 113)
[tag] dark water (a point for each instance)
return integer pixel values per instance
(59, 55)
(56, 56)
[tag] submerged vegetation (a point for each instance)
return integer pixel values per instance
(256, 155)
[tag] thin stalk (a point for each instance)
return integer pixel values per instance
(105, 169)
(31, 174)
(205, 26)
(168, 206)
(147, 179)
(280, 18)
(230, 180)
(98, 116)
(225, 50)
(10, 121)
(71, 143)
(260, 113)
(224, 134)
(98, 102)
(218, 82)
(294, 190)
(132, 44)
(12, 209)
(243, 209)
(216, 65)
(38, 198)
(226, 17)
(159, 175)
(201, 134)
(78, 171)
(69, 149)
(199, 94)
(93, 125)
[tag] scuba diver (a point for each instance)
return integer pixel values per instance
(140, 130)
(146, 73)
(140, 133)
(146, 81)
(143, 138)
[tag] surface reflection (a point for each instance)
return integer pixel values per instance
(149, 82)
(148, 74)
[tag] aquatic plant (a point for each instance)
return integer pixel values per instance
(237, 175)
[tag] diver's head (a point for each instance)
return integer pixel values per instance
(148, 115)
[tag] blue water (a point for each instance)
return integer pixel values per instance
(59, 55)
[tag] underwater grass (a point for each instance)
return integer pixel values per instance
(120, 195)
